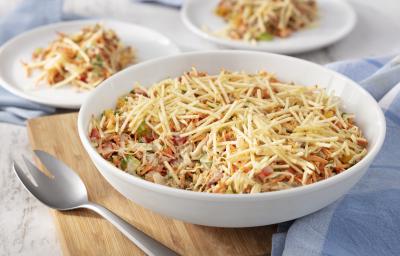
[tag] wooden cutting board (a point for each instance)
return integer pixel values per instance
(82, 232)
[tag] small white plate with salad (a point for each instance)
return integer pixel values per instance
(280, 26)
(60, 64)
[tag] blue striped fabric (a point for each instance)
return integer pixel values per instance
(366, 221)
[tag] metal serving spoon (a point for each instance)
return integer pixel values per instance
(66, 191)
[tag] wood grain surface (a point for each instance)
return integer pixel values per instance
(82, 232)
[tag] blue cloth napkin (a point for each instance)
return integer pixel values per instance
(28, 14)
(366, 221)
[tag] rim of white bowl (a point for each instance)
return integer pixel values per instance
(373, 151)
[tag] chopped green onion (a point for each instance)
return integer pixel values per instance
(130, 164)
(143, 130)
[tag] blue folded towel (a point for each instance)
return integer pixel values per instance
(27, 15)
(366, 221)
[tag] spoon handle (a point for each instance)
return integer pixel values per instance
(147, 244)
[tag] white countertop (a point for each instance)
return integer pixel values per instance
(26, 226)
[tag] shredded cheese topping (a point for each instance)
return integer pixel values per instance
(82, 60)
(261, 20)
(232, 132)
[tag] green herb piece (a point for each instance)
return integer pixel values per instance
(124, 164)
(143, 130)
(98, 61)
(265, 37)
(38, 51)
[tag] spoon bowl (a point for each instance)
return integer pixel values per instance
(66, 191)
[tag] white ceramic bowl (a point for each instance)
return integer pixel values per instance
(243, 210)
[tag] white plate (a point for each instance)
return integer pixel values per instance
(336, 20)
(147, 43)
